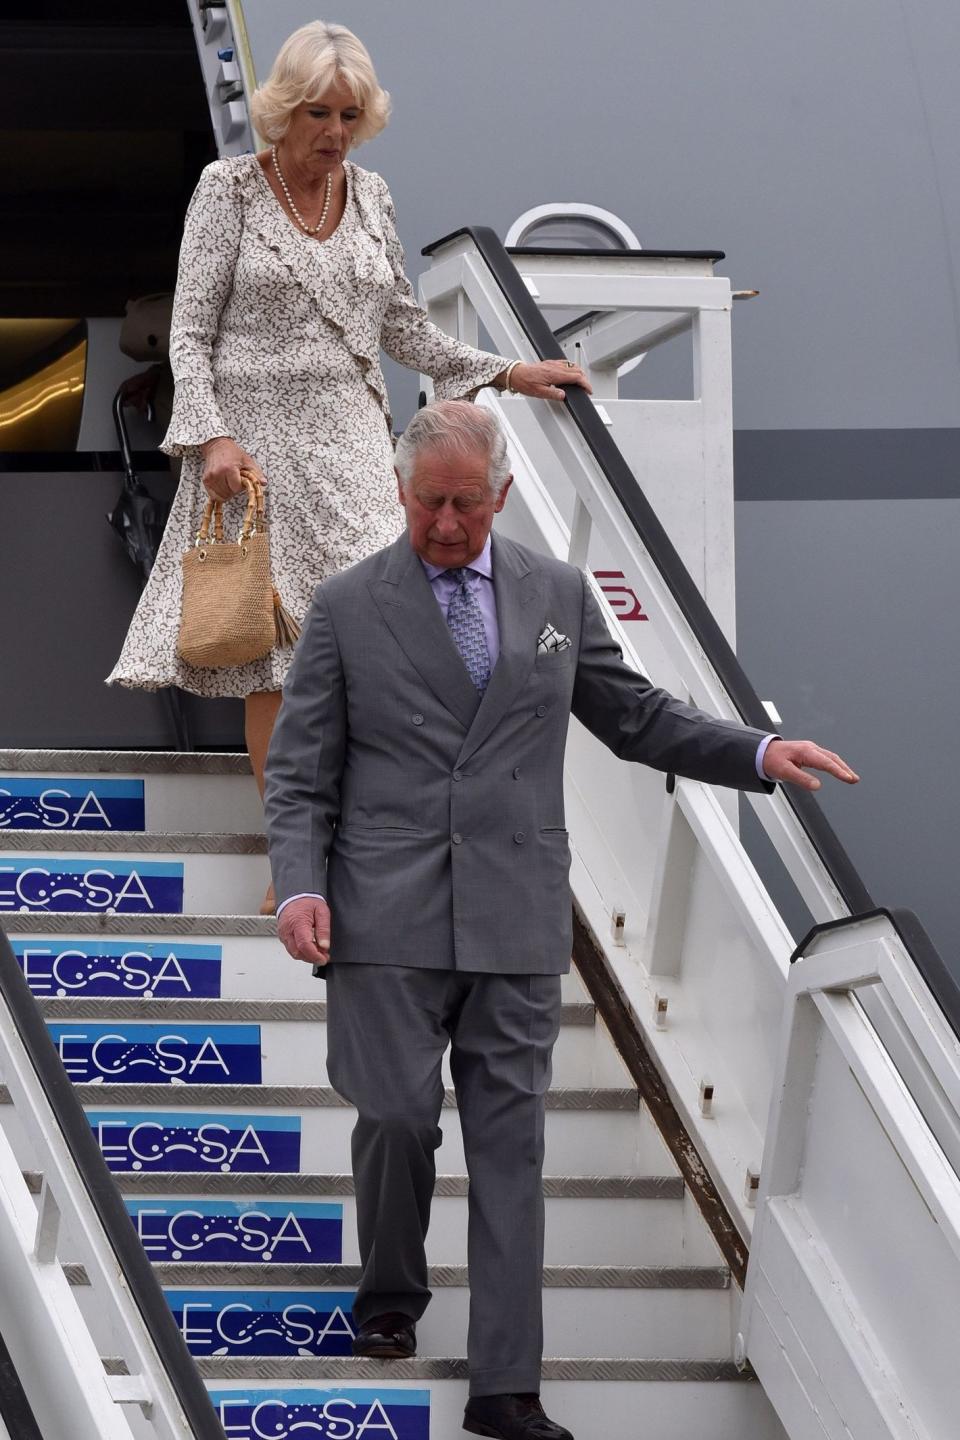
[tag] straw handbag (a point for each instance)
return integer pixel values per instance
(231, 612)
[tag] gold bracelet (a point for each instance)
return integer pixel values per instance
(507, 387)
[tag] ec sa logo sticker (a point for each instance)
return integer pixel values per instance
(165, 969)
(125, 887)
(50, 804)
(348, 1413)
(197, 1143)
(155, 1054)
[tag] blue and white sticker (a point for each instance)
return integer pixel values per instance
(283, 1232)
(260, 1322)
(135, 1054)
(341, 1413)
(121, 887)
(167, 970)
(198, 1143)
(55, 804)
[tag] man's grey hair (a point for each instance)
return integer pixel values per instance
(454, 427)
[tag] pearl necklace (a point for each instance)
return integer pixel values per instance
(310, 229)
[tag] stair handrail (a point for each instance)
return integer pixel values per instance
(135, 1268)
(939, 979)
(656, 541)
(643, 518)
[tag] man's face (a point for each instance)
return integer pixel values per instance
(449, 506)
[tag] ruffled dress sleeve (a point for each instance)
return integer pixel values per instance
(458, 371)
(208, 255)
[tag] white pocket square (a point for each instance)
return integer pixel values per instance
(550, 640)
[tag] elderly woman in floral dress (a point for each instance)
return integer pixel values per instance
(291, 281)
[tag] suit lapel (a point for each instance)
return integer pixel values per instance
(404, 598)
(516, 587)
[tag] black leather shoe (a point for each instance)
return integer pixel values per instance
(387, 1337)
(511, 1417)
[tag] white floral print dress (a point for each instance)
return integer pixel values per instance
(276, 342)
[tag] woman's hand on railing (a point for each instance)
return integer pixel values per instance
(543, 380)
(789, 760)
(223, 459)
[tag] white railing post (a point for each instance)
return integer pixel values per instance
(662, 952)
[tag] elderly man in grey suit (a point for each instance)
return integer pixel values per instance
(414, 802)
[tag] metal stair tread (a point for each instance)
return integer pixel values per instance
(217, 1274)
(129, 1008)
(349, 1368)
(82, 922)
(168, 1183)
(431, 1368)
(126, 762)
(304, 1097)
(135, 841)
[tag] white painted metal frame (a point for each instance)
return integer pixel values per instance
(39, 1317)
(702, 958)
(853, 1289)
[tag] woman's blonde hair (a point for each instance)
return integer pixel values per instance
(313, 59)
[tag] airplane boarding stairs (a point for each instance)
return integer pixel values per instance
(197, 1051)
(195, 1047)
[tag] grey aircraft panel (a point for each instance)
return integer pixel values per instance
(846, 619)
(814, 143)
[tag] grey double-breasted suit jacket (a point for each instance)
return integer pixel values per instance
(432, 820)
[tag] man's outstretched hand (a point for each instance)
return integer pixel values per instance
(304, 929)
(789, 760)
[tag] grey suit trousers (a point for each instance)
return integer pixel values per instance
(387, 1030)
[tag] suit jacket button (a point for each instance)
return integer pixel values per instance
(516, 773)
(417, 719)
(456, 837)
(518, 837)
(541, 711)
(458, 774)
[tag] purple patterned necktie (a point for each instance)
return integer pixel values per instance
(465, 620)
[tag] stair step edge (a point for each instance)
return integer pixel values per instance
(134, 842)
(267, 1368)
(82, 922)
(168, 1183)
(128, 1008)
(125, 762)
(304, 1097)
(347, 1368)
(441, 1277)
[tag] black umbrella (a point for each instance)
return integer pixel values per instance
(138, 517)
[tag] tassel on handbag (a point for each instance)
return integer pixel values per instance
(231, 612)
(287, 629)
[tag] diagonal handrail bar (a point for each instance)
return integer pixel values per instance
(642, 516)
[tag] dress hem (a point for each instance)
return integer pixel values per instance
(177, 683)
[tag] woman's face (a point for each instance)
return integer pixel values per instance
(321, 131)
